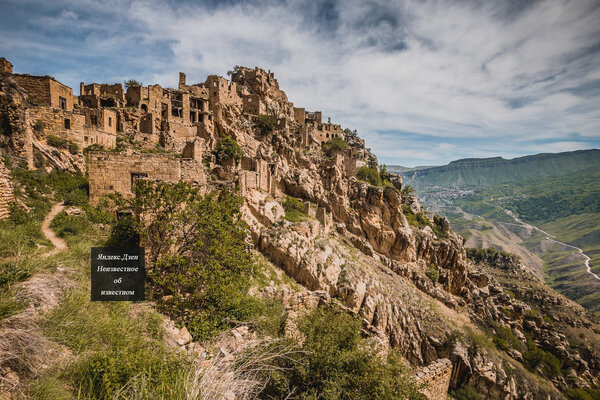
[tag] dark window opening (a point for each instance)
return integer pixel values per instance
(144, 108)
(109, 121)
(192, 116)
(67, 123)
(108, 102)
(62, 102)
(94, 120)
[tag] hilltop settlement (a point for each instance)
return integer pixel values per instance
(357, 238)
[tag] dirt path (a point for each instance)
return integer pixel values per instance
(58, 243)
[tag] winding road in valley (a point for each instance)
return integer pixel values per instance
(551, 237)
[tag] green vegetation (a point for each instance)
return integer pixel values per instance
(374, 177)
(505, 339)
(227, 149)
(38, 126)
(491, 256)
(112, 349)
(334, 145)
(61, 143)
(465, 393)
(131, 83)
(266, 124)
(337, 363)
(583, 394)
(433, 273)
(496, 171)
(370, 175)
(200, 267)
(537, 358)
(294, 210)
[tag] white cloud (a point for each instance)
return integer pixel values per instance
(469, 70)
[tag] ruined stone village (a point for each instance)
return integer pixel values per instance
(359, 244)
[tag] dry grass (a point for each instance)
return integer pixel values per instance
(23, 348)
(239, 371)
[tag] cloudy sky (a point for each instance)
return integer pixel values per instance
(424, 82)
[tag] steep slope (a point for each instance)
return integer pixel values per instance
(550, 221)
(376, 253)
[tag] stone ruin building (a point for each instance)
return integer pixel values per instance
(174, 130)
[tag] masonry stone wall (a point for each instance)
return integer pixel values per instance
(221, 91)
(436, 379)
(45, 90)
(117, 172)
(253, 104)
(6, 190)
(72, 126)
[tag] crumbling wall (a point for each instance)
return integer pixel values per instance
(45, 90)
(64, 124)
(436, 379)
(117, 172)
(6, 190)
(253, 104)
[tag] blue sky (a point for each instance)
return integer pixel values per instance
(424, 82)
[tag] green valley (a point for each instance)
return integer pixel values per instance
(544, 208)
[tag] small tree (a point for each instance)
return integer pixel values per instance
(226, 149)
(335, 144)
(266, 123)
(369, 175)
(131, 83)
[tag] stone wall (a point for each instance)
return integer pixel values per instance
(436, 379)
(75, 127)
(117, 172)
(252, 104)
(222, 91)
(45, 90)
(6, 190)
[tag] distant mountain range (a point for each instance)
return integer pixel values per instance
(495, 170)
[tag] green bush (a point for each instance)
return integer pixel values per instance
(93, 147)
(70, 225)
(433, 273)
(226, 149)
(335, 144)
(38, 126)
(583, 394)
(466, 393)
(370, 175)
(408, 190)
(124, 233)
(266, 124)
(73, 147)
(535, 357)
(57, 142)
(337, 363)
(505, 339)
(294, 210)
(131, 83)
(197, 255)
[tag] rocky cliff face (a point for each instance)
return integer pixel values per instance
(375, 251)
(361, 246)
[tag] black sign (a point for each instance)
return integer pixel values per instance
(118, 273)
